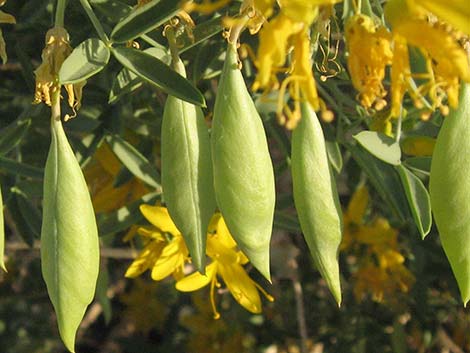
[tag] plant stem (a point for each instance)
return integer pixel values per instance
(94, 20)
(59, 13)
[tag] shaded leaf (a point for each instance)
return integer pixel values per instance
(11, 135)
(134, 161)
(144, 19)
(418, 200)
(2, 234)
(124, 217)
(13, 167)
(385, 180)
(156, 72)
(87, 59)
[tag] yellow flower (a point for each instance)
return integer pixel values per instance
(447, 62)
(4, 18)
(163, 257)
(370, 51)
(290, 29)
(227, 262)
(455, 12)
(57, 49)
(381, 270)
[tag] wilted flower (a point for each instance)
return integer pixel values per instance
(56, 50)
(369, 47)
(4, 18)
(446, 61)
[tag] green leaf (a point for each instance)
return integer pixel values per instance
(126, 81)
(134, 161)
(380, 145)
(125, 216)
(144, 19)
(449, 186)
(418, 164)
(16, 168)
(156, 72)
(334, 155)
(69, 237)
(101, 293)
(87, 59)
(283, 220)
(200, 33)
(418, 200)
(29, 211)
(2, 234)
(21, 224)
(385, 180)
(12, 135)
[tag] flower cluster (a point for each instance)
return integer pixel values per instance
(372, 47)
(287, 35)
(165, 253)
(381, 271)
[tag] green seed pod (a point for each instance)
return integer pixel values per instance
(69, 237)
(187, 172)
(316, 198)
(243, 171)
(449, 187)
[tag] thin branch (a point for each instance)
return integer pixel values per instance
(112, 253)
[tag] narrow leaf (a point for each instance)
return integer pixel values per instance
(418, 200)
(87, 59)
(156, 72)
(16, 168)
(200, 33)
(380, 145)
(385, 180)
(134, 161)
(69, 237)
(124, 217)
(11, 135)
(2, 234)
(144, 19)
(419, 164)
(126, 81)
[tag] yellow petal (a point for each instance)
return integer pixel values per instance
(196, 281)
(160, 218)
(358, 205)
(172, 258)
(146, 259)
(6, 18)
(418, 145)
(241, 286)
(455, 12)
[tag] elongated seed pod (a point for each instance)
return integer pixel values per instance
(187, 172)
(449, 188)
(69, 236)
(243, 171)
(316, 198)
